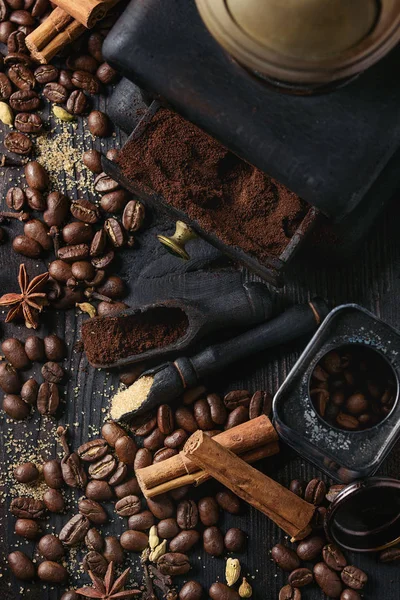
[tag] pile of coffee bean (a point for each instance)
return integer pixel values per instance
(170, 525)
(19, 397)
(353, 388)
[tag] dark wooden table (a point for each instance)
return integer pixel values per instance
(371, 279)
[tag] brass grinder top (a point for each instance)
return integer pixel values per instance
(304, 41)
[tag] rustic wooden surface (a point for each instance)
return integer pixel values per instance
(371, 279)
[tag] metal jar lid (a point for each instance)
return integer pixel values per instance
(365, 516)
(304, 41)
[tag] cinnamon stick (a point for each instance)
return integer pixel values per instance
(86, 12)
(246, 437)
(52, 26)
(286, 509)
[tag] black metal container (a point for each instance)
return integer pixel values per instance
(343, 455)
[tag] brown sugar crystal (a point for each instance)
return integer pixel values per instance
(108, 339)
(194, 173)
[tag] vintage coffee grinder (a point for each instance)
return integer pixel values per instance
(306, 90)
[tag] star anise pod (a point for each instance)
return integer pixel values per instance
(107, 589)
(29, 303)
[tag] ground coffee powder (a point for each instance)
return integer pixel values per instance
(193, 172)
(107, 339)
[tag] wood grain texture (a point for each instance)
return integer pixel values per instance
(371, 279)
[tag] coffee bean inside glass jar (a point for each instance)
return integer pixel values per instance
(353, 387)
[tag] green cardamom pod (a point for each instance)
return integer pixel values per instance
(62, 114)
(6, 114)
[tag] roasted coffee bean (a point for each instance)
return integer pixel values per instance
(60, 270)
(55, 348)
(390, 555)
(220, 591)
(75, 530)
(36, 200)
(52, 572)
(77, 102)
(104, 184)
(202, 414)
(98, 244)
(111, 432)
(16, 42)
(285, 558)
(93, 450)
(51, 547)
(54, 501)
(179, 493)
(34, 348)
(260, 404)
(228, 501)
(289, 593)
(310, 548)
(350, 595)
(327, 580)
(237, 398)
(85, 81)
(353, 577)
(142, 521)
(85, 211)
(165, 419)
(14, 351)
(161, 506)
(83, 270)
(22, 17)
(92, 160)
(125, 449)
(133, 217)
(82, 62)
(114, 232)
(57, 210)
(173, 563)
(22, 77)
(15, 407)
(53, 372)
(144, 424)
(28, 123)
(334, 491)
(102, 262)
(164, 454)
(213, 541)
(14, 58)
(93, 511)
(6, 27)
(99, 490)
(27, 528)
(113, 287)
(315, 492)
(238, 416)
(5, 87)
(318, 519)
(98, 123)
(300, 577)
(18, 143)
(155, 440)
(71, 254)
(334, 557)
(134, 541)
(27, 508)
(96, 563)
(119, 474)
(113, 550)
(94, 45)
(176, 439)
(191, 590)
(27, 247)
(187, 514)
(217, 409)
(10, 382)
(127, 488)
(24, 101)
(73, 472)
(39, 232)
(143, 459)
(235, 540)
(103, 468)
(26, 473)
(16, 198)
(297, 487)
(208, 511)
(46, 74)
(36, 176)
(65, 80)
(94, 540)
(55, 93)
(128, 506)
(52, 474)
(168, 528)
(184, 541)
(185, 419)
(106, 74)
(21, 566)
(97, 280)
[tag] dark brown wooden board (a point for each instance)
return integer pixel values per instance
(371, 279)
